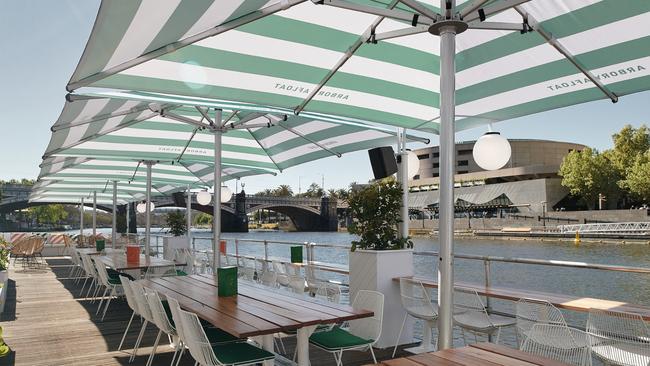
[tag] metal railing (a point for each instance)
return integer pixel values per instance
(610, 227)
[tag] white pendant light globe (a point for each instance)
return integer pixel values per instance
(413, 165)
(203, 198)
(140, 207)
(492, 151)
(226, 194)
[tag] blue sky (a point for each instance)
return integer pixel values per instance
(43, 41)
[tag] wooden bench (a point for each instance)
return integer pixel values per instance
(568, 302)
(480, 354)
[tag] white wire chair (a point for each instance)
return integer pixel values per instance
(161, 320)
(297, 284)
(133, 304)
(206, 354)
(282, 277)
(471, 314)
(532, 311)
(366, 330)
(269, 278)
(145, 311)
(618, 338)
(184, 255)
(91, 274)
(246, 269)
(416, 300)
(329, 291)
(557, 342)
(76, 265)
(112, 285)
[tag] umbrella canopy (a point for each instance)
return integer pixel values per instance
(126, 191)
(119, 127)
(326, 59)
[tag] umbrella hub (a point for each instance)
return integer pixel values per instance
(457, 25)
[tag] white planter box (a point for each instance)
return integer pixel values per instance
(4, 280)
(171, 243)
(374, 270)
(4, 276)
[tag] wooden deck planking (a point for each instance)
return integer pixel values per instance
(47, 322)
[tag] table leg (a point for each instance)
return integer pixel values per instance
(303, 344)
(267, 344)
(426, 345)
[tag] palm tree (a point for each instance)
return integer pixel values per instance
(284, 190)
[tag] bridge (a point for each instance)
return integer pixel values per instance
(307, 214)
(641, 228)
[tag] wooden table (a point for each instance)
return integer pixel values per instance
(118, 262)
(480, 354)
(87, 251)
(568, 302)
(256, 310)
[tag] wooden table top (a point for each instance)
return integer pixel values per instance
(568, 302)
(118, 262)
(256, 310)
(88, 251)
(480, 354)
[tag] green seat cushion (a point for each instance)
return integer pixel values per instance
(114, 280)
(337, 338)
(218, 336)
(240, 353)
(180, 273)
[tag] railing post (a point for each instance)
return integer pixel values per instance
(488, 281)
(237, 251)
(266, 252)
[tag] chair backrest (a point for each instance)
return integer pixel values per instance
(141, 298)
(416, 299)
(175, 309)
(291, 269)
(196, 340)
(102, 274)
(297, 284)
(618, 337)
(155, 272)
(128, 293)
(279, 268)
(18, 247)
(557, 342)
(368, 328)
(158, 311)
(184, 255)
(88, 265)
(329, 291)
(39, 244)
(269, 278)
(531, 311)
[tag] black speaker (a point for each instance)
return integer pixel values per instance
(383, 161)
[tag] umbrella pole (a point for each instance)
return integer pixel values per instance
(147, 227)
(216, 201)
(447, 163)
(81, 221)
(94, 213)
(114, 231)
(188, 217)
(403, 180)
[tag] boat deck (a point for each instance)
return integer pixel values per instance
(46, 322)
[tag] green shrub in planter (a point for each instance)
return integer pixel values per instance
(176, 223)
(375, 212)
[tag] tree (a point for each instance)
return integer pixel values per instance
(176, 222)
(314, 191)
(637, 180)
(588, 173)
(202, 219)
(630, 144)
(283, 190)
(48, 214)
(374, 210)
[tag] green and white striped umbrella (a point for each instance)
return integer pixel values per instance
(372, 60)
(254, 142)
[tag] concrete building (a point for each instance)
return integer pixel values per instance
(528, 183)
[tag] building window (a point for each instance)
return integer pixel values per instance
(463, 162)
(436, 165)
(462, 172)
(416, 177)
(423, 156)
(436, 155)
(435, 175)
(465, 152)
